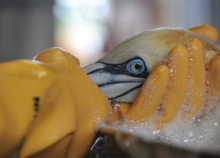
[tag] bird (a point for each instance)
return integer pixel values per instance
(122, 71)
(66, 99)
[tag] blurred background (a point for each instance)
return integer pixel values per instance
(90, 28)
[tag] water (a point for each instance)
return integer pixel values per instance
(199, 134)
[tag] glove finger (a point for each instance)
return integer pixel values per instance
(58, 149)
(57, 121)
(24, 85)
(213, 85)
(214, 73)
(177, 62)
(57, 118)
(150, 95)
(206, 30)
(118, 111)
(90, 103)
(196, 80)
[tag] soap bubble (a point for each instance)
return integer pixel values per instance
(201, 133)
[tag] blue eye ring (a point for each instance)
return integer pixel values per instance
(136, 66)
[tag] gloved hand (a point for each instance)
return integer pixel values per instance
(181, 80)
(49, 107)
(37, 98)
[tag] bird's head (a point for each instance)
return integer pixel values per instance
(121, 73)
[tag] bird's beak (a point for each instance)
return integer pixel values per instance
(117, 87)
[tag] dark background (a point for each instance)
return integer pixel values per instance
(30, 26)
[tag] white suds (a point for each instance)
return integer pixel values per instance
(198, 134)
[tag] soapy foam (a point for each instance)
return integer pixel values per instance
(199, 134)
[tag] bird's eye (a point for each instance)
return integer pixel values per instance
(136, 66)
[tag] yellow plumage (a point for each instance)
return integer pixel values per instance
(153, 46)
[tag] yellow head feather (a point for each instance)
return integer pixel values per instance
(154, 45)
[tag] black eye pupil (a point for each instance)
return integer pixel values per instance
(137, 66)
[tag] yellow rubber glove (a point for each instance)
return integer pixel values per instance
(213, 84)
(175, 93)
(187, 73)
(206, 30)
(150, 96)
(91, 106)
(214, 73)
(196, 81)
(56, 83)
(39, 104)
(25, 90)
